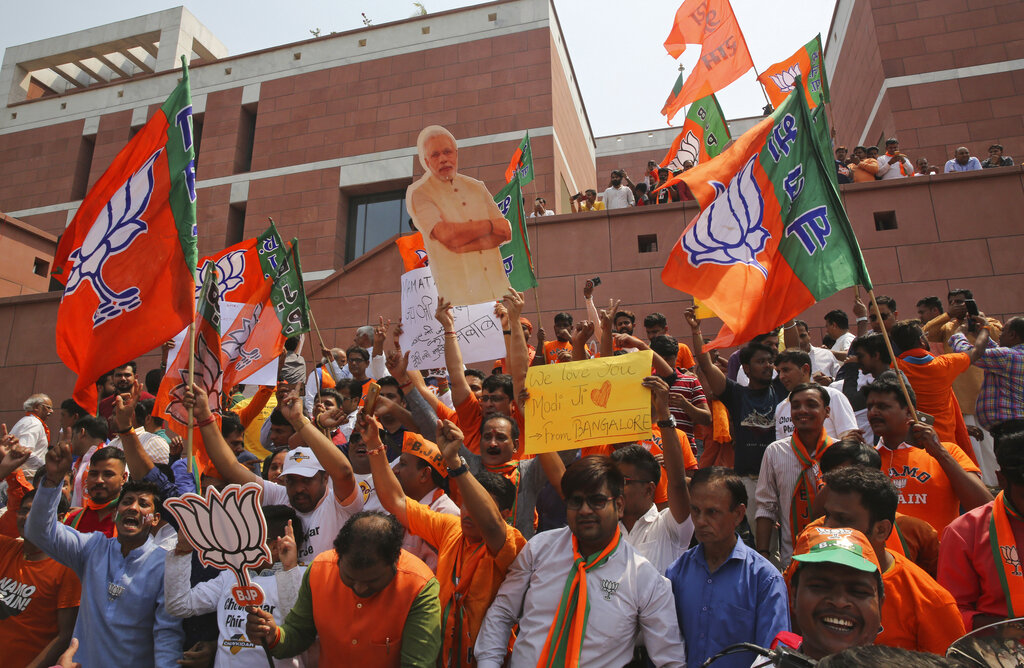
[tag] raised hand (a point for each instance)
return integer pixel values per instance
(398, 364)
(443, 314)
(607, 316)
(287, 550)
(449, 440)
(58, 463)
(692, 320)
(514, 302)
(291, 408)
(583, 331)
(330, 419)
(124, 407)
(659, 395)
(198, 402)
(379, 332)
(501, 313)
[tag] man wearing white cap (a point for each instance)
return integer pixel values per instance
(324, 508)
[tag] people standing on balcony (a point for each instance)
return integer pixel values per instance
(963, 161)
(617, 195)
(924, 169)
(842, 171)
(862, 168)
(540, 208)
(894, 165)
(996, 158)
(665, 195)
(586, 202)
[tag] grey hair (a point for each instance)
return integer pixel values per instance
(34, 401)
(365, 330)
(426, 134)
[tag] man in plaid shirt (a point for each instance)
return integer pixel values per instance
(1002, 394)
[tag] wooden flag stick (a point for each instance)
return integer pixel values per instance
(892, 356)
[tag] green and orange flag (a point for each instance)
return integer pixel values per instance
(208, 372)
(703, 136)
(780, 79)
(521, 164)
(772, 237)
(128, 256)
(515, 253)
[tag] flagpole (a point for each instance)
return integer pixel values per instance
(892, 356)
(759, 85)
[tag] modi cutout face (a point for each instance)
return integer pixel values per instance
(441, 156)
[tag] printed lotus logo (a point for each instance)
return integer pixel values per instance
(233, 343)
(228, 531)
(786, 79)
(230, 272)
(114, 231)
(208, 374)
(689, 149)
(730, 230)
(1010, 556)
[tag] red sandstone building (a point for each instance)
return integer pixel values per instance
(320, 135)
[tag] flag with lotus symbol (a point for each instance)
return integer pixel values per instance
(808, 64)
(238, 271)
(515, 253)
(772, 237)
(207, 369)
(127, 258)
(703, 136)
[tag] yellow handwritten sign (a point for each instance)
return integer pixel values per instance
(593, 402)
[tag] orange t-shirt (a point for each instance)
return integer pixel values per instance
(653, 445)
(531, 353)
(17, 487)
(470, 417)
(917, 613)
(933, 384)
(920, 542)
(32, 592)
(925, 491)
(453, 554)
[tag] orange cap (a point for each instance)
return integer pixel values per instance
(416, 445)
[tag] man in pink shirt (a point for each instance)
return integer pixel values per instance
(980, 551)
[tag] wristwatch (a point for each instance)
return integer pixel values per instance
(665, 424)
(461, 469)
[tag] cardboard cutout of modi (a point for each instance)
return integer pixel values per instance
(462, 227)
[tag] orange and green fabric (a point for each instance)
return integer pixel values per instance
(780, 79)
(521, 164)
(515, 253)
(772, 237)
(703, 136)
(414, 254)
(127, 258)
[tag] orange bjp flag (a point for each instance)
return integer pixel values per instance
(693, 19)
(780, 79)
(724, 58)
(414, 255)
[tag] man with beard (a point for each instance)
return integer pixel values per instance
(103, 484)
(124, 379)
(122, 611)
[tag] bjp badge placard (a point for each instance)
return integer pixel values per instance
(228, 531)
(592, 402)
(461, 225)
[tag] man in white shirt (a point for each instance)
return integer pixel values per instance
(893, 165)
(625, 593)
(797, 334)
(540, 208)
(618, 196)
(32, 431)
(323, 506)
(661, 536)
(794, 369)
(837, 324)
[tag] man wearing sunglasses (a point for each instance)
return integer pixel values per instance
(583, 586)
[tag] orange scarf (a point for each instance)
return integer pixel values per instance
(1005, 554)
(509, 470)
(565, 639)
(903, 168)
(453, 619)
(806, 488)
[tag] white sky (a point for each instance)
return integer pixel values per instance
(616, 47)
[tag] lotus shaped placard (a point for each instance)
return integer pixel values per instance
(226, 527)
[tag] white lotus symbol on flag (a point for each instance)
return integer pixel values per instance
(786, 79)
(230, 272)
(226, 527)
(689, 149)
(233, 344)
(730, 230)
(113, 232)
(208, 375)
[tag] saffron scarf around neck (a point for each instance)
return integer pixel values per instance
(453, 616)
(565, 638)
(1006, 554)
(806, 488)
(46, 429)
(902, 166)
(509, 470)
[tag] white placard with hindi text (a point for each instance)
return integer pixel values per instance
(478, 329)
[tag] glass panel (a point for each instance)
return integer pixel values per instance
(373, 219)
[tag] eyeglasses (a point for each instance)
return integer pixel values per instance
(595, 501)
(357, 359)
(874, 318)
(636, 481)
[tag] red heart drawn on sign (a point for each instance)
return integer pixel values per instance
(600, 395)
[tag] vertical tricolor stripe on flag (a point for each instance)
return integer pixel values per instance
(772, 237)
(521, 164)
(515, 253)
(127, 258)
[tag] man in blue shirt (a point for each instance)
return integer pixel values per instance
(122, 620)
(725, 592)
